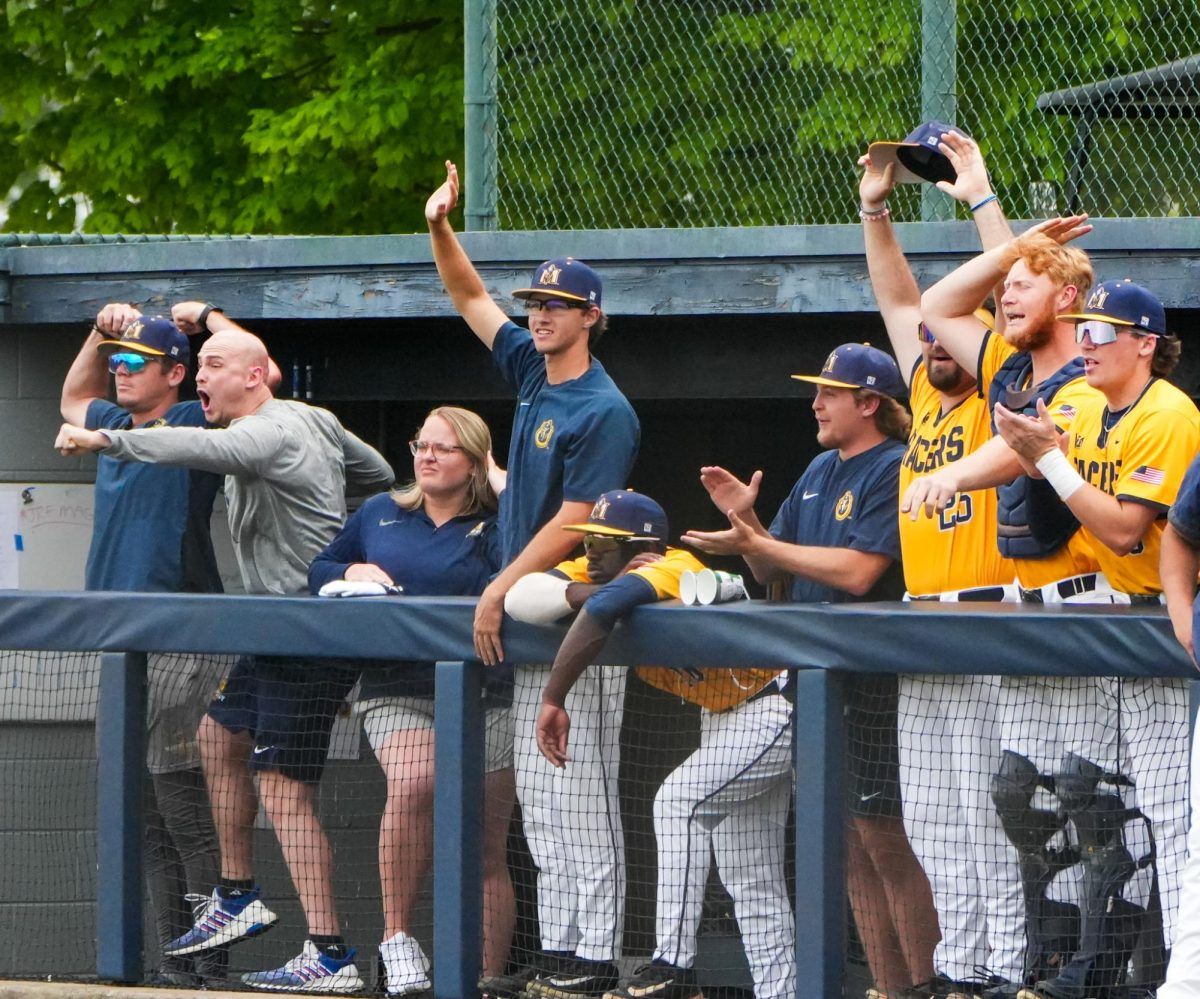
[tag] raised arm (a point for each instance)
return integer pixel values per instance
(973, 188)
(87, 378)
(892, 280)
(458, 274)
(949, 306)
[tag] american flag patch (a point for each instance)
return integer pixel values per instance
(1149, 474)
(1067, 410)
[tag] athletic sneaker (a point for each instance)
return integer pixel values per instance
(513, 986)
(658, 980)
(574, 978)
(309, 971)
(222, 921)
(405, 966)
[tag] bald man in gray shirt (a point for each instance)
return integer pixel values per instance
(287, 466)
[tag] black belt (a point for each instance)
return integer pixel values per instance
(1145, 598)
(1066, 588)
(980, 594)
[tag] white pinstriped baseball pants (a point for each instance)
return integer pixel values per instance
(731, 797)
(572, 816)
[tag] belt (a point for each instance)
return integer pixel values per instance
(1063, 589)
(1145, 598)
(977, 594)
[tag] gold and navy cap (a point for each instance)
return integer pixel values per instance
(1123, 303)
(917, 158)
(154, 336)
(622, 513)
(860, 366)
(564, 277)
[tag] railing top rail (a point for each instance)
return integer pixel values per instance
(964, 638)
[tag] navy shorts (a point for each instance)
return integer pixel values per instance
(872, 750)
(288, 705)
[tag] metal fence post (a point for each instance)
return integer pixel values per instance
(818, 747)
(120, 772)
(479, 98)
(939, 87)
(457, 829)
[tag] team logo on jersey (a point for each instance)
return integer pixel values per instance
(1078, 441)
(550, 275)
(476, 530)
(544, 433)
(1098, 298)
(845, 506)
(600, 510)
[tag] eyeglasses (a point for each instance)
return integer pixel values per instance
(1102, 332)
(924, 334)
(551, 305)
(133, 362)
(602, 544)
(438, 450)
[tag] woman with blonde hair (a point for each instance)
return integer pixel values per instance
(435, 536)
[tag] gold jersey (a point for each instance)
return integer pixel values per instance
(1139, 455)
(955, 549)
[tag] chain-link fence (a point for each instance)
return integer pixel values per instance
(626, 114)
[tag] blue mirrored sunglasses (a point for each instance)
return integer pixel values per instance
(133, 362)
(923, 333)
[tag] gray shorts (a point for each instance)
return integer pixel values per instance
(381, 716)
(179, 687)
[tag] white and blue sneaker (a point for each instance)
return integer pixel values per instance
(221, 921)
(310, 971)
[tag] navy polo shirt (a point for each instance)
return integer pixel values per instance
(847, 504)
(150, 531)
(1184, 516)
(454, 560)
(570, 442)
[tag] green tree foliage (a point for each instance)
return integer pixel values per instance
(266, 116)
(739, 112)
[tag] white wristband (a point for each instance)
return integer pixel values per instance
(1060, 473)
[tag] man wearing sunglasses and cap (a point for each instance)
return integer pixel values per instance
(836, 539)
(574, 437)
(729, 797)
(1126, 454)
(151, 534)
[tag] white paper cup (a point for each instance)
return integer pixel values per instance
(687, 587)
(714, 587)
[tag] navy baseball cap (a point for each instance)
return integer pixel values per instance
(1124, 303)
(860, 366)
(154, 336)
(917, 158)
(622, 513)
(564, 277)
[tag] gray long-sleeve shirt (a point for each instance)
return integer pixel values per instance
(288, 468)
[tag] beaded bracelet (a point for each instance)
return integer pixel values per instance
(875, 216)
(986, 201)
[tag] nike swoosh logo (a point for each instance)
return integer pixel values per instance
(810, 495)
(565, 983)
(868, 797)
(387, 523)
(647, 990)
(260, 749)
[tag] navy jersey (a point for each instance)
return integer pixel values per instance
(570, 442)
(151, 527)
(454, 560)
(846, 504)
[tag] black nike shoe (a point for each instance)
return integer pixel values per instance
(658, 980)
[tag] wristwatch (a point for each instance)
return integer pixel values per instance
(202, 321)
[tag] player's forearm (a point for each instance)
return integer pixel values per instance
(948, 307)
(993, 464)
(1178, 565)
(990, 223)
(464, 285)
(546, 549)
(1116, 525)
(366, 469)
(226, 452)
(844, 569)
(896, 291)
(580, 648)
(86, 379)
